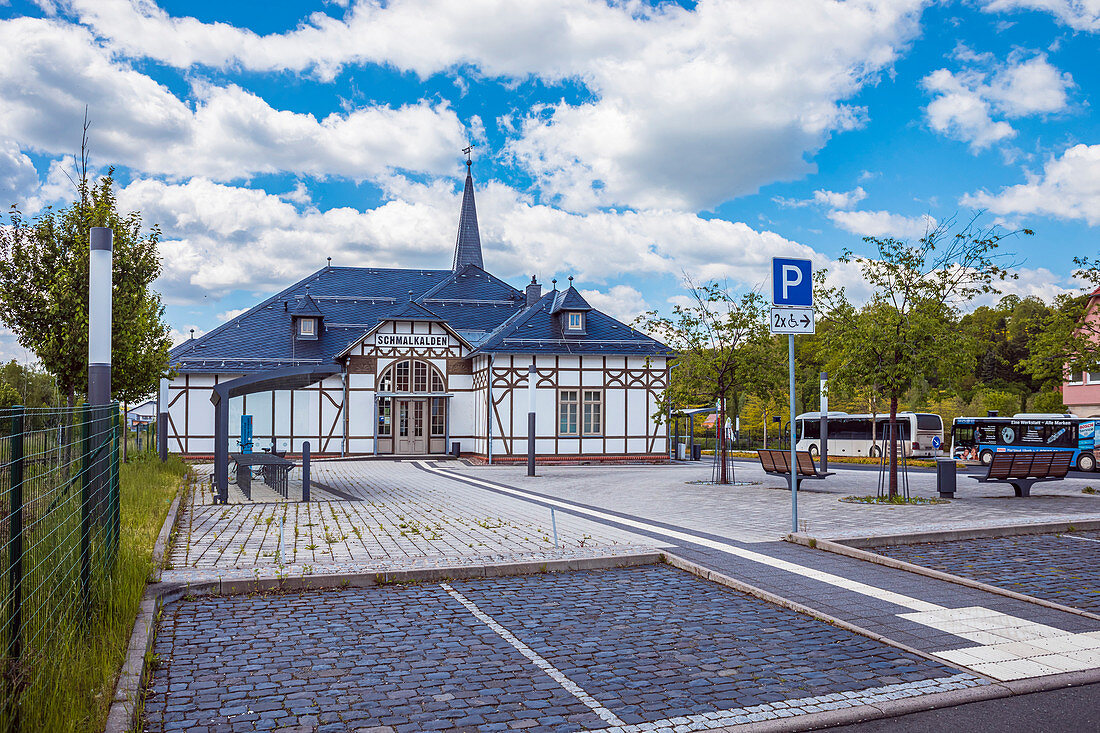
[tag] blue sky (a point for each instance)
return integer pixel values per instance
(629, 144)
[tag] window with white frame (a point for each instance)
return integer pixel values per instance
(1094, 377)
(576, 321)
(307, 326)
(1076, 378)
(592, 420)
(568, 406)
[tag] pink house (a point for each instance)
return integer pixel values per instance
(1081, 391)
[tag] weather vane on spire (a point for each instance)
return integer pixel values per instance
(467, 150)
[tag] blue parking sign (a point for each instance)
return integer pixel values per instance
(792, 282)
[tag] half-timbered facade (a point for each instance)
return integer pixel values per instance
(420, 362)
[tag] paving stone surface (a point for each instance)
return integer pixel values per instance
(1058, 567)
(762, 512)
(637, 649)
(400, 514)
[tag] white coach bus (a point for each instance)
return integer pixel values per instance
(862, 435)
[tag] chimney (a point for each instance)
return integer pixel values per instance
(534, 292)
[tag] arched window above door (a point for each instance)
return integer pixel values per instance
(411, 375)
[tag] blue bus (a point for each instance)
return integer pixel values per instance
(981, 437)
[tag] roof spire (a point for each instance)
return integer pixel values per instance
(468, 242)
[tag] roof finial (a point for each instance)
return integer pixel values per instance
(554, 282)
(410, 296)
(468, 242)
(192, 334)
(570, 281)
(329, 261)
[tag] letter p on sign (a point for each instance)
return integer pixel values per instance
(792, 282)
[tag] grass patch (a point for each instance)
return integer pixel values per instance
(1089, 490)
(74, 682)
(896, 501)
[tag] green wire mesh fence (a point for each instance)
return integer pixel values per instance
(59, 538)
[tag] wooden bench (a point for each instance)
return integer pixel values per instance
(1023, 469)
(778, 463)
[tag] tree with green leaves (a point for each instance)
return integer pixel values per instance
(44, 291)
(1067, 340)
(723, 351)
(906, 330)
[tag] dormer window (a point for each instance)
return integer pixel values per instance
(307, 327)
(576, 321)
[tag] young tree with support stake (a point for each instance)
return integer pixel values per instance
(44, 292)
(723, 351)
(906, 330)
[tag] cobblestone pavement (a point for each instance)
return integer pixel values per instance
(1058, 567)
(762, 513)
(638, 649)
(401, 515)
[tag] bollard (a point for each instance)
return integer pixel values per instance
(554, 524)
(15, 546)
(279, 553)
(305, 471)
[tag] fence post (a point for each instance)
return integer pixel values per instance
(305, 471)
(15, 546)
(113, 485)
(86, 464)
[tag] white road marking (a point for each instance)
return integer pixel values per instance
(553, 672)
(1010, 647)
(1086, 539)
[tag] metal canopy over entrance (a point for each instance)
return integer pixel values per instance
(290, 378)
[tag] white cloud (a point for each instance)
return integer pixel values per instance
(17, 174)
(882, 224)
(1068, 188)
(689, 107)
(225, 133)
(220, 238)
(229, 315)
(965, 102)
(1081, 15)
(840, 200)
(622, 302)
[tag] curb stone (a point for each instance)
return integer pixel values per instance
(970, 533)
(740, 585)
(122, 715)
(891, 562)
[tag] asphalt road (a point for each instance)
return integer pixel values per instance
(1067, 709)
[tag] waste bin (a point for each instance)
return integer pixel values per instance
(945, 477)
(681, 452)
(456, 448)
(697, 451)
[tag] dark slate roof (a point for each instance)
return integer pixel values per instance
(351, 300)
(468, 242)
(305, 306)
(411, 311)
(537, 330)
(569, 300)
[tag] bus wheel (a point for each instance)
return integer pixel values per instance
(814, 452)
(875, 452)
(1086, 462)
(986, 457)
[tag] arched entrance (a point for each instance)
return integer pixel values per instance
(412, 409)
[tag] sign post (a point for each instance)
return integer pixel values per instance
(792, 313)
